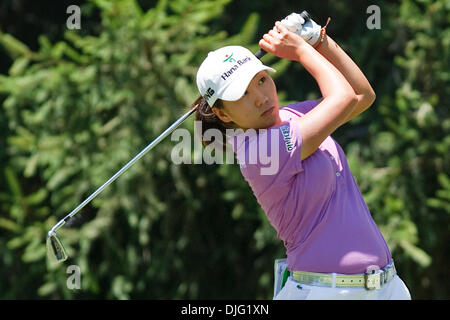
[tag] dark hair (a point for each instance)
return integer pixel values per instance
(209, 120)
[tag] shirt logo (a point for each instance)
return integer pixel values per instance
(287, 138)
(239, 63)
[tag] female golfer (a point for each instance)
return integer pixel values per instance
(299, 174)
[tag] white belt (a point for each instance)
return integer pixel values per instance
(373, 278)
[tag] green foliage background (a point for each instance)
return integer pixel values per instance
(82, 104)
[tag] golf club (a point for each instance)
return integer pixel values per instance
(54, 245)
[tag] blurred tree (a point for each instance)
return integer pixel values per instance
(79, 109)
(76, 110)
(404, 165)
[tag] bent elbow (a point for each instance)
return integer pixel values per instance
(351, 99)
(372, 96)
(369, 98)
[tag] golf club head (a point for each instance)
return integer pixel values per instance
(55, 247)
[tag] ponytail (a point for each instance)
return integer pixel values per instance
(209, 120)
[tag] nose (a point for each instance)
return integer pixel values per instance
(260, 98)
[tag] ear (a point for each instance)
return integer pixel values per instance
(221, 114)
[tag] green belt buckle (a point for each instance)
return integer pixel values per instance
(286, 275)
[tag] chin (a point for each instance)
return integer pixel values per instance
(275, 121)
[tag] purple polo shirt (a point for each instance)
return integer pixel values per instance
(314, 205)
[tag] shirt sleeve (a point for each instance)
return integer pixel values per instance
(303, 106)
(279, 159)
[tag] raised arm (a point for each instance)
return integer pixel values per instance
(339, 98)
(364, 92)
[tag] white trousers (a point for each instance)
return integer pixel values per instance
(395, 289)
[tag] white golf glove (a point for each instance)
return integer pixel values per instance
(309, 30)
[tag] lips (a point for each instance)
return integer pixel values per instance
(267, 112)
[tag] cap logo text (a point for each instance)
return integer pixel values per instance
(228, 73)
(208, 94)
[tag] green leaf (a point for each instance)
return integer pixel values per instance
(9, 225)
(13, 46)
(47, 288)
(417, 254)
(37, 197)
(35, 251)
(19, 66)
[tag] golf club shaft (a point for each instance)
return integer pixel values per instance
(124, 168)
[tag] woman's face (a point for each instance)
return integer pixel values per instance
(257, 109)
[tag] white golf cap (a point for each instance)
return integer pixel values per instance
(226, 73)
